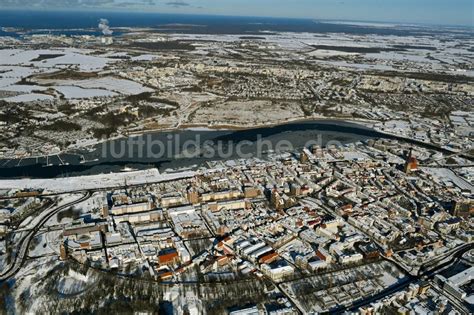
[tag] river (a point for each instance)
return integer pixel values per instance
(187, 148)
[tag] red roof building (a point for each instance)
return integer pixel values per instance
(268, 258)
(169, 258)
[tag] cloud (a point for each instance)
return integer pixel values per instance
(71, 3)
(178, 4)
(98, 4)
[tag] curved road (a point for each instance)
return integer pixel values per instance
(25, 242)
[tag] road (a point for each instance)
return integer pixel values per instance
(24, 244)
(455, 256)
(427, 271)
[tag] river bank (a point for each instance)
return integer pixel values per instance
(104, 157)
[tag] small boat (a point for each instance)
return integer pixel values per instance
(128, 169)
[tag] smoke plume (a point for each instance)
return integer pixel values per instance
(104, 27)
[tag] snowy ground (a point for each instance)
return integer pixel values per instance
(75, 92)
(18, 64)
(44, 244)
(29, 98)
(122, 86)
(95, 202)
(419, 52)
(449, 178)
(73, 283)
(94, 181)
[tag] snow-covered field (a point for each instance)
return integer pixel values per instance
(75, 92)
(43, 244)
(73, 283)
(29, 98)
(23, 88)
(66, 57)
(70, 184)
(422, 52)
(108, 84)
(18, 64)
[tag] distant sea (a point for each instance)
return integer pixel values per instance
(85, 22)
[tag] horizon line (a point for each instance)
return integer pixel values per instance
(318, 19)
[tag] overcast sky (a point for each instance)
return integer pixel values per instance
(456, 12)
